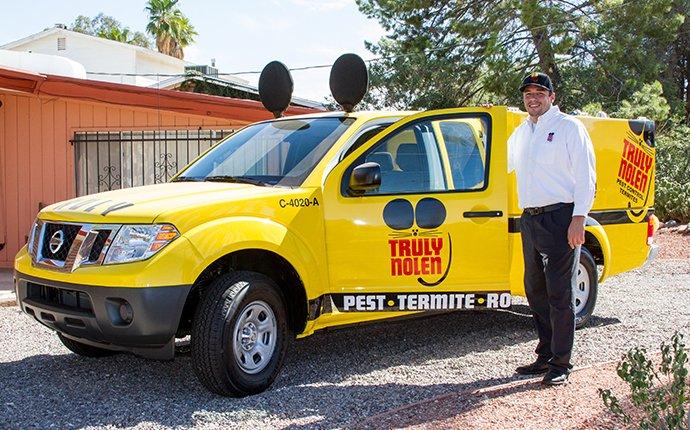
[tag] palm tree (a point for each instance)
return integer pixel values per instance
(170, 27)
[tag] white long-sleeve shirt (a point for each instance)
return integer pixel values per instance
(554, 162)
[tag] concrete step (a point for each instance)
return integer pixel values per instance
(7, 298)
(7, 288)
(6, 280)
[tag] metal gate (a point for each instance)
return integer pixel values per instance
(113, 160)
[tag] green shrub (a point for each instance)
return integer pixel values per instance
(658, 395)
(648, 102)
(672, 197)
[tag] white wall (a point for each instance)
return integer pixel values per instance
(93, 54)
(103, 56)
(149, 64)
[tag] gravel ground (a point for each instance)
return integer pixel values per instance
(332, 379)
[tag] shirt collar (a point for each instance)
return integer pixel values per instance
(552, 112)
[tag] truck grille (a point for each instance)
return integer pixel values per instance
(66, 246)
(98, 245)
(66, 233)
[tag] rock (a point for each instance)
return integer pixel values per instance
(670, 224)
(686, 229)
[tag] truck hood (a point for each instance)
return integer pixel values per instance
(145, 204)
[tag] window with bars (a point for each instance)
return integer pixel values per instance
(107, 160)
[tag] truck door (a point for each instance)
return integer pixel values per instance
(437, 222)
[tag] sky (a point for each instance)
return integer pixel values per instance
(240, 35)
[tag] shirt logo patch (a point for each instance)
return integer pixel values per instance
(549, 138)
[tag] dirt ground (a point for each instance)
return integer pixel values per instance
(673, 243)
(521, 405)
(517, 405)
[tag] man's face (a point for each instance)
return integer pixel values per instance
(537, 100)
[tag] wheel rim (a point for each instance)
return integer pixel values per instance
(254, 337)
(582, 288)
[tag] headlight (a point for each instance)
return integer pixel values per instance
(139, 242)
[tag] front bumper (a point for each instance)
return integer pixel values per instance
(90, 314)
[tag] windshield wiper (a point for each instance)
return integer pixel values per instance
(186, 179)
(236, 180)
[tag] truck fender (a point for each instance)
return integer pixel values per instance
(592, 226)
(224, 236)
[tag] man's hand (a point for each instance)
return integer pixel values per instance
(576, 231)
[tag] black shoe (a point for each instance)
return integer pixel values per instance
(556, 377)
(536, 368)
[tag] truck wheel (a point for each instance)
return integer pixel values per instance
(239, 334)
(586, 288)
(84, 349)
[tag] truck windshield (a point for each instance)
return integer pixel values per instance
(279, 153)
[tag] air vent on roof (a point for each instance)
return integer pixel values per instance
(204, 70)
(62, 44)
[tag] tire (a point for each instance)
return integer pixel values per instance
(239, 334)
(83, 349)
(586, 288)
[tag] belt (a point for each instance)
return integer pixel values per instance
(543, 209)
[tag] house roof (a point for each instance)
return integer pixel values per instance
(172, 82)
(176, 81)
(57, 31)
(42, 63)
(131, 95)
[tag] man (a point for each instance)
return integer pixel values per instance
(553, 158)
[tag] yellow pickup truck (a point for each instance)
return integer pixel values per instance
(296, 224)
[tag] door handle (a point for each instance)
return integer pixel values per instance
(483, 214)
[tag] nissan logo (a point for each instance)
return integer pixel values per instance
(56, 241)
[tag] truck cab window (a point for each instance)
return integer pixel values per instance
(410, 161)
(465, 142)
(364, 137)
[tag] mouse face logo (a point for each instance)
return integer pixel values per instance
(416, 243)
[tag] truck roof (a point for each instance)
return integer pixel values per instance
(365, 115)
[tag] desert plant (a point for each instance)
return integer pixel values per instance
(659, 395)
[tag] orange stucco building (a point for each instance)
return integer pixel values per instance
(62, 137)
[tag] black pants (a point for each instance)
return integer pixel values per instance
(549, 278)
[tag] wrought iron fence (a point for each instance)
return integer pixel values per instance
(107, 160)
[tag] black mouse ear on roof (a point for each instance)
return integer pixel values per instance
(275, 87)
(349, 81)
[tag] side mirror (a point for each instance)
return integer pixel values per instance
(365, 177)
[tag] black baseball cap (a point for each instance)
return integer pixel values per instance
(537, 79)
